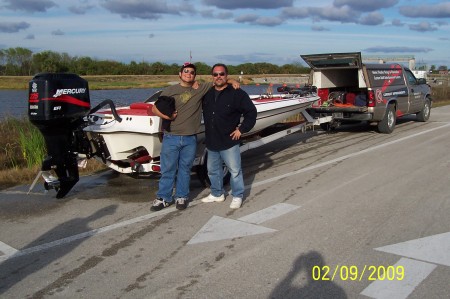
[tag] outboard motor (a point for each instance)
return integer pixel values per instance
(57, 104)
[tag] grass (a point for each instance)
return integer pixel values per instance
(22, 149)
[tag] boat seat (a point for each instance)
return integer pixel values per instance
(137, 109)
(140, 105)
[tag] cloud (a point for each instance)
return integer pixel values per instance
(260, 4)
(373, 18)
(80, 10)
(440, 10)
(365, 5)
(422, 27)
(382, 49)
(319, 28)
(145, 9)
(29, 36)
(30, 5)
(342, 14)
(209, 13)
(57, 32)
(444, 38)
(224, 15)
(253, 19)
(397, 22)
(10, 27)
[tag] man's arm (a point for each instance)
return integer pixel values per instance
(249, 113)
(234, 83)
(160, 114)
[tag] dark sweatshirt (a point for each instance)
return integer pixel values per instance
(222, 112)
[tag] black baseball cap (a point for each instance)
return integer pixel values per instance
(188, 64)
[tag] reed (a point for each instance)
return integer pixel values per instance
(22, 149)
(32, 144)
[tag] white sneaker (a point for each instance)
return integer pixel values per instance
(212, 198)
(236, 203)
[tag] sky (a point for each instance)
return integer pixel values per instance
(228, 31)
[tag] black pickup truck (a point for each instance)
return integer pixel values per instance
(352, 91)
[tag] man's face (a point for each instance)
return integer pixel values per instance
(219, 76)
(187, 75)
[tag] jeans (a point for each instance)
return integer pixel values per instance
(177, 157)
(232, 159)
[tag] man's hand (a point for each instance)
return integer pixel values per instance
(234, 83)
(174, 115)
(236, 134)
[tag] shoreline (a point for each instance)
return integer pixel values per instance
(111, 82)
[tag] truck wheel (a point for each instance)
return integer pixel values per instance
(202, 174)
(387, 124)
(424, 115)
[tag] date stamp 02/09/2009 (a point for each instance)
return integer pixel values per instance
(355, 273)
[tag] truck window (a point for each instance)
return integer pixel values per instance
(411, 78)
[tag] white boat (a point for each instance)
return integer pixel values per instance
(130, 141)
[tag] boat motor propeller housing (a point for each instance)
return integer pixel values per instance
(58, 102)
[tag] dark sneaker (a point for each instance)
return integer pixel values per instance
(159, 204)
(181, 203)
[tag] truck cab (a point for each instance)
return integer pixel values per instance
(350, 90)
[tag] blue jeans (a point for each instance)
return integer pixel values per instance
(177, 156)
(232, 159)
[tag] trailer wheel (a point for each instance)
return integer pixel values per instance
(387, 124)
(202, 173)
(330, 126)
(424, 115)
(325, 126)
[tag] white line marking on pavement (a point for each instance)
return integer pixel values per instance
(6, 249)
(434, 249)
(218, 228)
(82, 235)
(370, 149)
(269, 213)
(414, 273)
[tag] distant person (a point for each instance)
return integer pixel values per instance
(223, 108)
(179, 143)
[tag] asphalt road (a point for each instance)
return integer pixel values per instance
(349, 214)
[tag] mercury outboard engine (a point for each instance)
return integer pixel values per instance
(57, 104)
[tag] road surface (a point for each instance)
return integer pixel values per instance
(348, 214)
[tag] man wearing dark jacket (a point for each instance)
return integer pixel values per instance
(223, 108)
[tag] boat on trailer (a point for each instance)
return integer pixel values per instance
(126, 139)
(133, 144)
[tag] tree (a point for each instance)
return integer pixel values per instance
(22, 61)
(49, 61)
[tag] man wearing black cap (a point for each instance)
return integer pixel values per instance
(180, 144)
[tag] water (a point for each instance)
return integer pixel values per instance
(14, 103)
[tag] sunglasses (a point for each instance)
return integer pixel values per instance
(219, 74)
(186, 71)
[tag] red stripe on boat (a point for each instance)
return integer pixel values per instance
(69, 100)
